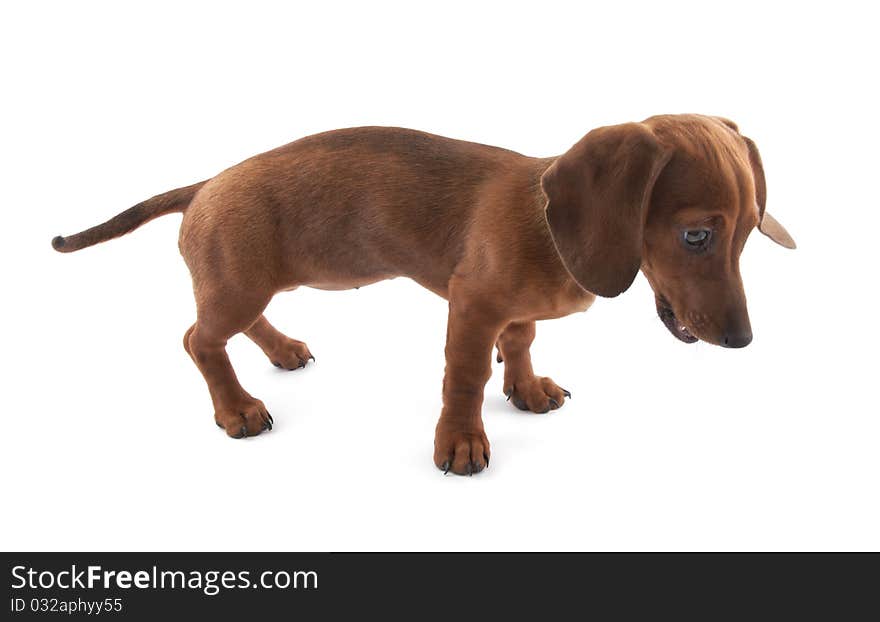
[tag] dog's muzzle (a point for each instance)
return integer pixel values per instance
(675, 326)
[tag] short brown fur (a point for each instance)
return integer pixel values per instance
(506, 239)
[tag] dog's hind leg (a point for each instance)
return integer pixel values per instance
(235, 410)
(282, 351)
(521, 386)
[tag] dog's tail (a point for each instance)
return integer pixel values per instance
(129, 220)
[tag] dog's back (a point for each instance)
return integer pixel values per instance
(396, 201)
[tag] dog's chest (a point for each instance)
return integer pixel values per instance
(575, 302)
(560, 302)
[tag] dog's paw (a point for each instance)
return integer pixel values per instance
(247, 418)
(539, 395)
(463, 453)
(291, 355)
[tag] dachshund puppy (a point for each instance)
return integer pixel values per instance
(506, 239)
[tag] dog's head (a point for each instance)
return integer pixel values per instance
(676, 196)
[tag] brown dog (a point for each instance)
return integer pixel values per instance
(507, 239)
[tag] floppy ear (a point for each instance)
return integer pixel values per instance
(597, 199)
(767, 225)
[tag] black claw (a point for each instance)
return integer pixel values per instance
(486, 458)
(313, 358)
(566, 393)
(509, 394)
(554, 403)
(218, 424)
(271, 419)
(499, 358)
(470, 469)
(243, 432)
(445, 467)
(276, 363)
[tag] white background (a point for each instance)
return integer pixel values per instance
(109, 441)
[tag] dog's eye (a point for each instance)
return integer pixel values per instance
(697, 237)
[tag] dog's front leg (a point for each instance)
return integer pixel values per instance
(460, 443)
(521, 386)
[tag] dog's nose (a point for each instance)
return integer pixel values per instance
(737, 339)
